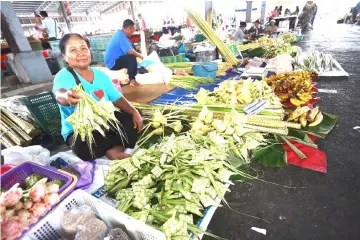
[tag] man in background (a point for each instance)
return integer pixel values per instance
(241, 33)
(256, 30)
(50, 26)
(120, 52)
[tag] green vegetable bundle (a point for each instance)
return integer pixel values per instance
(91, 115)
(167, 186)
(189, 82)
(288, 37)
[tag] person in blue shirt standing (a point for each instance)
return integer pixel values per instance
(97, 84)
(120, 52)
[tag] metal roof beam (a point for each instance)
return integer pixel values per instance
(43, 4)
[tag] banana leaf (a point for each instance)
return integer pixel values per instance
(256, 52)
(324, 128)
(271, 156)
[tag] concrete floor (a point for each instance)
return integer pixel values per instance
(322, 206)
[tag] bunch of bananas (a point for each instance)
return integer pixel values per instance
(294, 86)
(306, 116)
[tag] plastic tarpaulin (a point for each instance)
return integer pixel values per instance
(181, 96)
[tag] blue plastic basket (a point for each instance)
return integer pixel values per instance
(205, 69)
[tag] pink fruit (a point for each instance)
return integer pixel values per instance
(11, 228)
(39, 209)
(11, 197)
(51, 199)
(37, 192)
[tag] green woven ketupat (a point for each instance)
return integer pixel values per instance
(141, 216)
(220, 187)
(163, 158)
(128, 167)
(175, 195)
(157, 171)
(137, 163)
(224, 174)
(180, 209)
(124, 193)
(211, 192)
(199, 185)
(193, 208)
(146, 182)
(168, 184)
(170, 227)
(187, 218)
(141, 199)
(207, 201)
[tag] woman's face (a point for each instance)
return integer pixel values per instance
(77, 54)
(272, 24)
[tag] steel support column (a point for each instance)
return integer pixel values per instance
(30, 65)
(248, 11)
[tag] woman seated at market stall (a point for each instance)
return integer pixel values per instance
(241, 33)
(272, 29)
(120, 52)
(97, 84)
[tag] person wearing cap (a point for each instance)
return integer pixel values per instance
(272, 28)
(241, 34)
(256, 30)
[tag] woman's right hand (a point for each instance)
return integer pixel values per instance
(72, 97)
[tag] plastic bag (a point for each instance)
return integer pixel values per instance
(120, 75)
(85, 172)
(117, 233)
(153, 58)
(69, 157)
(83, 223)
(280, 64)
(159, 76)
(17, 154)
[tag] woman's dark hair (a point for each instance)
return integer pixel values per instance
(65, 39)
(44, 14)
(280, 8)
(128, 23)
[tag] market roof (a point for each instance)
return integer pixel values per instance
(29, 7)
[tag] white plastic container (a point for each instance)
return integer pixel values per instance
(50, 226)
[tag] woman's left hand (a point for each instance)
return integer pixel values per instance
(138, 121)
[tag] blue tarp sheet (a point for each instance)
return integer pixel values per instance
(181, 96)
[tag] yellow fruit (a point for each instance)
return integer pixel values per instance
(297, 102)
(302, 119)
(304, 96)
(298, 112)
(317, 120)
(312, 114)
